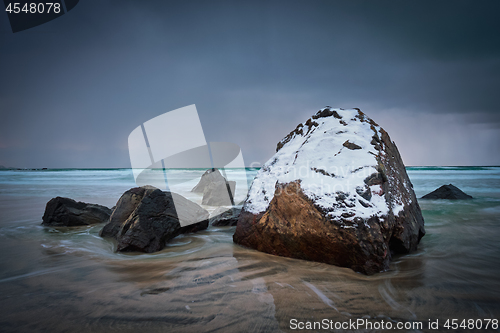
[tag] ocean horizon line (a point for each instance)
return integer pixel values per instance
(247, 167)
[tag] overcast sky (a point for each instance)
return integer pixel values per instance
(73, 89)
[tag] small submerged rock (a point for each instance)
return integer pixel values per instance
(66, 212)
(145, 219)
(223, 216)
(448, 192)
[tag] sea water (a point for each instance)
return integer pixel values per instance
(70, 279)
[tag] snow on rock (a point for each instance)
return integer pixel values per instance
(346, 166)
(324, 177)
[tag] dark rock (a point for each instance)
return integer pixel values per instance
(351, 146)
(356, 213)
(364, 192)
(145, 219)
(301, 129)
(447, 192)
(215, 189)
(326, 112)
(225, 217)
(323, 172)
(217, 193)
(209, 177)
(66, 212)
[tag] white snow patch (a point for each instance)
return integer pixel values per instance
(397, 208)
(327, 170)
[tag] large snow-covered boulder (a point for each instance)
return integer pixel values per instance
(337, 192)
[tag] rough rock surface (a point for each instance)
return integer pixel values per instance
(210, 176)
(225, 217)
(217, 194)
(337, 192)
(66, 212)
(215, 189)
(447, 192)
(145, 218)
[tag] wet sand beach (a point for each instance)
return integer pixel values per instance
(71, 280)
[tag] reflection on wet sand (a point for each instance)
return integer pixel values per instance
(205, 283)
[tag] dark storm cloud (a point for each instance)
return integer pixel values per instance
(428, 71)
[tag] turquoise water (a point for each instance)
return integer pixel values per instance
(70, 279)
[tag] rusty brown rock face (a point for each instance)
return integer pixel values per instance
(297, 223)
(293, 227)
